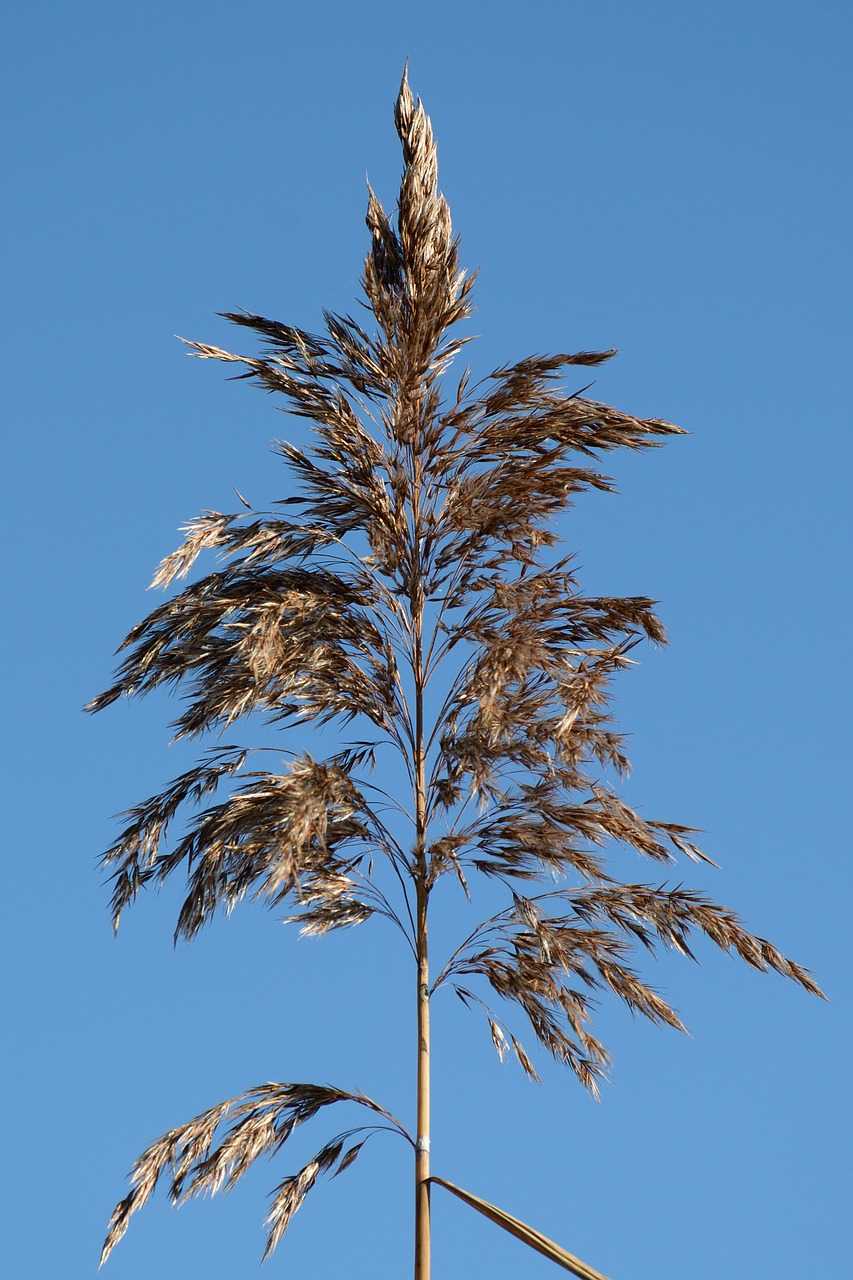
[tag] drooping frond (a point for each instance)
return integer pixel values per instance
(212, 1152)
(533, 953)
(288, 643)
(301, 834)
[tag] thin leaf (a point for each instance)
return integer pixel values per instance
(527, 1235)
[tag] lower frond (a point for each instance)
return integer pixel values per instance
(262, 1119)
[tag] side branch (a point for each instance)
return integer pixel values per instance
(263, 1119)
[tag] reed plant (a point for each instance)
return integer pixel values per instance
(409, 593)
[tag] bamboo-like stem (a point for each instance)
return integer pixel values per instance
(422, 1171)
(422, 1166)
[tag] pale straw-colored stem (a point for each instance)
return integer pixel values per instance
(422, 1172)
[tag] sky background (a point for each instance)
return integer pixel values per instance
(670, 177)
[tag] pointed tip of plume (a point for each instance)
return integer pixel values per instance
(376, 217)
(404, 107)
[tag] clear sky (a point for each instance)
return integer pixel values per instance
(670, 177)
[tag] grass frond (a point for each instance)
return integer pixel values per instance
(197, 1159)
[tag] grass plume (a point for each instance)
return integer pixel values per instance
(406, 592)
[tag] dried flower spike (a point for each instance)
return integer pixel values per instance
(402, 591)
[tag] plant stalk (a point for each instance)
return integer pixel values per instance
(422, 1186)
(422, 1198)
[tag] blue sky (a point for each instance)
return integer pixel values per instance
(669, 177)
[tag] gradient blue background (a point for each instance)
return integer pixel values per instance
(671, 177)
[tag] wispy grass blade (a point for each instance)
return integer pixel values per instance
(527, 1235)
